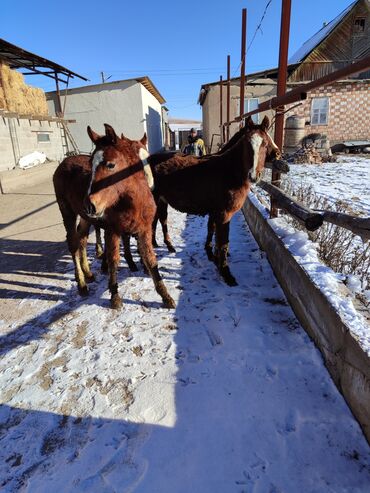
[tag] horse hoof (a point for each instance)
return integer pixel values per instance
(155, 244)
(228, 277)
(116, 302)
(83, 291)
(171, 248)
(90, 278)
(133, 267)
(230, 280)
(169, 302)
(210, 255)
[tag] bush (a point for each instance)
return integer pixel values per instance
(339, 248)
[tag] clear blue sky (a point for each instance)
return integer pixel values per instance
(178, 45)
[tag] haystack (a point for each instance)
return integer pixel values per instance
(18, 96)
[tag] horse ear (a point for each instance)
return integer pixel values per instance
(110, 133)
(249, 123)
(144, 140)
(265, 123)
(93, 135)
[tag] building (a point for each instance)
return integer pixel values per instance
(131, 106)
(339, 110)
(180, 129)
(25, 125)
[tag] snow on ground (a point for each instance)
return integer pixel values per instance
(348, 180)
(224, 394)
(329, 282)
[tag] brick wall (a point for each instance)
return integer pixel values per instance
(349, 111)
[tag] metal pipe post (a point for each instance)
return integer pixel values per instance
(281, 88)
(228, 100)
(243, 55)
(221, 116)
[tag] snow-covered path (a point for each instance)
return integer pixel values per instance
(224, 394)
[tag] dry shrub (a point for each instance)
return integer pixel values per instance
(339, 248)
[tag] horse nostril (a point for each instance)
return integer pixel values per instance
(89, 207)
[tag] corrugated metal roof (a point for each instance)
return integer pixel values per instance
(317, 38)
(17, 58)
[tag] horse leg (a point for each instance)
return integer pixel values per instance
(150, 260)
(127, 253)
(162, 211)
(99, 251)
(210, 232)
(154, 229)
(112, 244)
(222, 242)
(83, 231)
(73, 241)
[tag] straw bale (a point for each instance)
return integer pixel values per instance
(20, 97)
(3, 105)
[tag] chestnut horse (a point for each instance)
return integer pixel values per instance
(111, 192)
(215, 185)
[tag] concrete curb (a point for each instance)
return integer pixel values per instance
(345, 359)
(16, 179)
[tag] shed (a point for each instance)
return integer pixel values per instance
(131, 106)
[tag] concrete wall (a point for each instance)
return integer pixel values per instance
(118, 104)
(211, 108)
(152, 115)
(18, 137)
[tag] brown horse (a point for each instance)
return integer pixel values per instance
(215, 185)
(111, 192)
(162, 205)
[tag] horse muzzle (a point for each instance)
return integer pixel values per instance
(90, 209)
(254, 177)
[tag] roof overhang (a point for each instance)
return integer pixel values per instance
(145, 81)
(148, 84)
(18, 58)
(255, 77)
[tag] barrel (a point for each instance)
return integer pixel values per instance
(294, 133)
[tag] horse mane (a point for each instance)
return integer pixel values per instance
(233, 140)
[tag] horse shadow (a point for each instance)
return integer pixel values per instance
(50, 263)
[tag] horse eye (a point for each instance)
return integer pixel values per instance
(110, 165)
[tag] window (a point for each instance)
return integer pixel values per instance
(359, 25)
(319, 111)
(43, 137)
(250, 104)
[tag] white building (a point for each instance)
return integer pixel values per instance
(131, 106)
(180, 129)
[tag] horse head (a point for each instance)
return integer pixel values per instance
(114, 159)
(262, 146)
